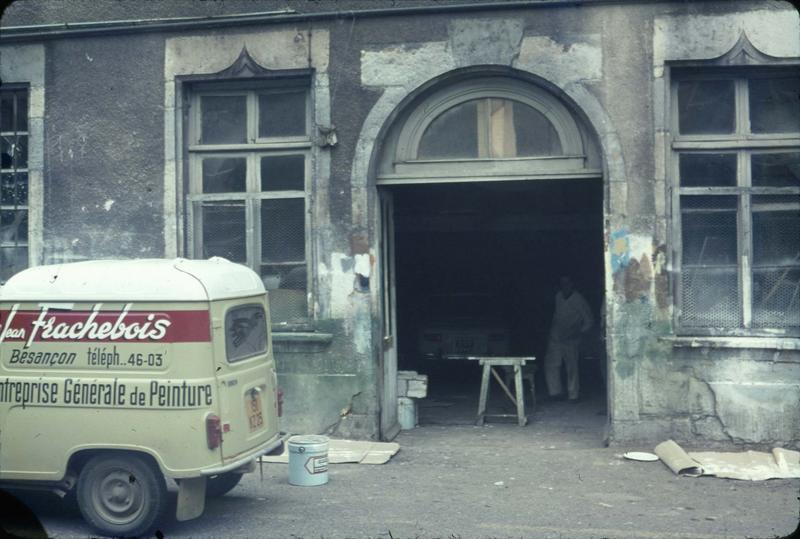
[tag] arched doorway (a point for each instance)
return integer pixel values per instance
(491, 189)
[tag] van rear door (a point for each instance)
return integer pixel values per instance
(246, 377)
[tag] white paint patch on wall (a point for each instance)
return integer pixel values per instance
(485, 41)
(406, 66)
(341, 284)
(640, 245)
(362, 334)
(562, 63)
(696, 37)
(362, 265)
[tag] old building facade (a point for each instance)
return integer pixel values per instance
(365, 157)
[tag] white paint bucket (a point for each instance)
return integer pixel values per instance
(407, 412)
(308, 460)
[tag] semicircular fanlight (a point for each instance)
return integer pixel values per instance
(492, 128)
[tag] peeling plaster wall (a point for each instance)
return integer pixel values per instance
(723, 390)
(112, 184)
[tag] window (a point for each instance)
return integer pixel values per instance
(13, 181)
(489, 127)
(737, 164)
(249, 151)
(245, 332)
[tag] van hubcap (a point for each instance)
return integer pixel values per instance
(119, 496)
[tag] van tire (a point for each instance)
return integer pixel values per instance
(220, 485)
(121, 495)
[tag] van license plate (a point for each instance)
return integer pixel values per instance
(252, 404)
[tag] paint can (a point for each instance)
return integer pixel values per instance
(308, 460)
(407, 412)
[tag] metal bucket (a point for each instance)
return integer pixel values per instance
(308, 460)
(407, 412)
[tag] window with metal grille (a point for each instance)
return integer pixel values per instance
(737, 202)
(13, 181)
(249, 151)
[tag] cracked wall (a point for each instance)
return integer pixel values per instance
(722, 390)
(112, 188)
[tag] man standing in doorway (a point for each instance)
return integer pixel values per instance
(571, 320)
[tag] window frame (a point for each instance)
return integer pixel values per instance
(253, 149)
(401, 165)
(742, 143)
(27, 170)
(233, 309)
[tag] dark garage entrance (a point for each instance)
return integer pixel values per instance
(477, 265)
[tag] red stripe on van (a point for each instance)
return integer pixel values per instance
(106, 326)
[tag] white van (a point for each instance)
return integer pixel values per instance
(115, 375)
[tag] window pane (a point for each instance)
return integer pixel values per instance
(283, 230)
(224, 119)
(12, 260)
(776, 261)
(708, 169)
(775, 105)
(245, 332)
(14, 111)
(708, 226)
(14, 151)
(283, 173)
(776, 297)
(7, 111)
(706, 106)
(287, 291)
(776, 169)
(14, 189)
(224, 230)
(709, 274)
(13, 226)
(224, 175)
(282, 114)
(22, 111)
(453, 135)
(535, 134)
(710, 297)
(776, 230)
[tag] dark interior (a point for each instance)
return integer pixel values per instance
(508, 242)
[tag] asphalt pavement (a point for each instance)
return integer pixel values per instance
(553, 478)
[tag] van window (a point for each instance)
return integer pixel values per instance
(245, 332)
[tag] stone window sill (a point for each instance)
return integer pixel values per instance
(305, 337)
(767, 343)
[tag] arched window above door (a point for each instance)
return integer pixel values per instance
(490, 127)
(486, 128)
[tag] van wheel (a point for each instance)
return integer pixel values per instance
(220, 485)
(121, 495)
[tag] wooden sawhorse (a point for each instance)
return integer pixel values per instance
(489, 364)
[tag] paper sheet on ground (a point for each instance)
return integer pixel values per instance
(748, 465)
(341, 451)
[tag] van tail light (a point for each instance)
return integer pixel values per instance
(280, 402)
(213, 431)
(433, 337)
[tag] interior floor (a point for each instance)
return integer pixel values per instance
(487, 257)
(457, 403)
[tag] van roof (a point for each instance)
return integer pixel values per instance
(134, 280)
